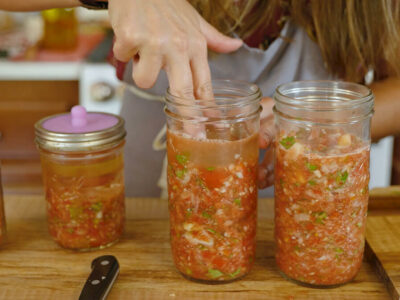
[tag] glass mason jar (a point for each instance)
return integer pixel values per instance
(82, 167)
(2, 216)
(212, 148)
(322, 151)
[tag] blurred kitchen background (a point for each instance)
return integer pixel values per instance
(55, 59)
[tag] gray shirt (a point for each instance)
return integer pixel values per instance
(292, 57)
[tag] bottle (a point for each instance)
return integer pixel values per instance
(60, 29)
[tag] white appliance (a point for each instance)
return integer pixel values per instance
(99, 88)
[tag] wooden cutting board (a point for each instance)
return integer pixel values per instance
(383, 250)
(32, 266)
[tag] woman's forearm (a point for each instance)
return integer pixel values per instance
(34, 5)
(386, 120)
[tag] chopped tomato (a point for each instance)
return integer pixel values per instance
(321, 198)
(85, 208)
(213, 206)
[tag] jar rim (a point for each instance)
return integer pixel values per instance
(237, 96)
(77, 142)
(344, 95)
(244, 92)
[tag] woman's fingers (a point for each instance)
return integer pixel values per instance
(201, 72)
(181, 85)
(146, 69)
(217, 41)
(179, 75)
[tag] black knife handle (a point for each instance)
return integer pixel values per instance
(105, 270)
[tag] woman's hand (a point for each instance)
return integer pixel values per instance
(267, 133)
(169, 35)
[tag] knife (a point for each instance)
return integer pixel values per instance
(105, 270)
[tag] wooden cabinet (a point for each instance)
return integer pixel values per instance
(22, 103)
(396, 161)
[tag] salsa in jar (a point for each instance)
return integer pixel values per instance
(83, 174)
(213, 205)
(85, 198)
(322, 147)
(321, 199)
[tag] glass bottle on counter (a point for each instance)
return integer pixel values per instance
(83, 175)
(321, 180)
(212, 148)
(2, 216)
(60, 29)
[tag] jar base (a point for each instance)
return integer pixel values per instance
(92, 248)
(314, 286)
(211, 282)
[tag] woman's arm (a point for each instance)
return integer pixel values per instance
(386, 120)
(34, 5)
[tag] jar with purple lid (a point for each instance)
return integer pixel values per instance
(82, 166)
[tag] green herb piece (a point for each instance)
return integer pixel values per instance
(297, 248)
(201, 183)
(211, 230)
(180, 173)
(182, 159)
(342, 177)
(210, 168)
(320, 217)
(311, 167)
(214, 273)
(206, 215)
(75, 212)
(288, 142)
(238, 201)
(359, 224)
(236, 273)
(70, 230)
(188, 212)
(281, 182)
(202, 247)
(188, 271)
(97, 206)
(339, 250)
(312, 182)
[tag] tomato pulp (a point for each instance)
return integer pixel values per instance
(85, 198)
(321, 199)
(213, 206)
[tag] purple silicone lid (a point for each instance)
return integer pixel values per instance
(80, 121)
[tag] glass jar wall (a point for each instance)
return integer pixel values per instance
(83, 175)
(321, 179)
(212, 150)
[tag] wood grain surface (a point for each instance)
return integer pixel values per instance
(32, 266)
(383, 236)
